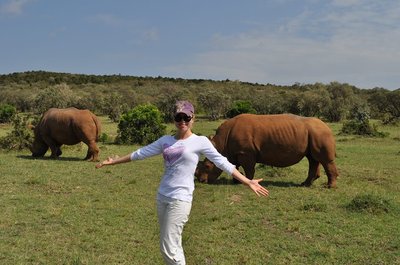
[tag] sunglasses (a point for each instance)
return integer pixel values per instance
(179, 118)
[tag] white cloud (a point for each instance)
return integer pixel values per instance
(13, 7)
(359, 47)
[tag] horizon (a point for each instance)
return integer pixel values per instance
(195, 79)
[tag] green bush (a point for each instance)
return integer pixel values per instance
(239, 107)
(6, 113)
(360, 125)
(58, 96)
(114, 106)
(141, 125)
(166, 102)
(104, 138)
(361, 128)
(21, 136)
(215, 103)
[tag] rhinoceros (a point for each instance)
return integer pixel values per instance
(66, 126)
(276, 140)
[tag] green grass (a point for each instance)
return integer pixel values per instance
(66, 212)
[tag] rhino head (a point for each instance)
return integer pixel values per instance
(207, 172)
(38, 148)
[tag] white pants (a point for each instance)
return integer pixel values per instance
(172, 216)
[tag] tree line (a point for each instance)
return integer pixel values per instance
(113, 95)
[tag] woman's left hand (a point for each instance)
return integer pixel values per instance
(108, 161)
(257, 188)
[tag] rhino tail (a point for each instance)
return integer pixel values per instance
(98, 126)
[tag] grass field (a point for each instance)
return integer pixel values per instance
(66, 212)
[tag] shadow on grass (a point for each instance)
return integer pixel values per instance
(28, 157)
(264, 183)
(284, 184)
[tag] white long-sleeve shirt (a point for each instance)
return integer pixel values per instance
(180, 162)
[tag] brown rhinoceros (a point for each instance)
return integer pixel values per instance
(66, 126)
(276, 140)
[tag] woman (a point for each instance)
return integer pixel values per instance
(181, 154)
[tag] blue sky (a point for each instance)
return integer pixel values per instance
(279, 42)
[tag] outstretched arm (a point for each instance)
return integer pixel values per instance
(253, 184)
(113, 161)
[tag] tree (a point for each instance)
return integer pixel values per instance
(20, 98)
(21, 137)
(360, 125)
(239, 107)
(114, 106)
(6, 113)
(387, 104)
(58, 96)
(393, 108)
(167, 99)
(215, 103)
(311, 102)
(270, 102)
(141, 125)
(341, 98)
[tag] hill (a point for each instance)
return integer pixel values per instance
(101, 93)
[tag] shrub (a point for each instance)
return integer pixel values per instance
(103, 138)
(359, 128)
(114, 106)
(360, 125)
(239, 107)
(6, 113)
(214, 102)
(141, 125)
(58, 96)
(20, 137)
(166, 102)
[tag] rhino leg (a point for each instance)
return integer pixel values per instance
(93, 151)
(248, 163)
(55, 151)
(58, 151)
(313, 171)
(249, 170)
(54, 147)
(332, 173)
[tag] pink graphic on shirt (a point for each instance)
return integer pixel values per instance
(172, 153)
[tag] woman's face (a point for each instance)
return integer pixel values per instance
(183, 121)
